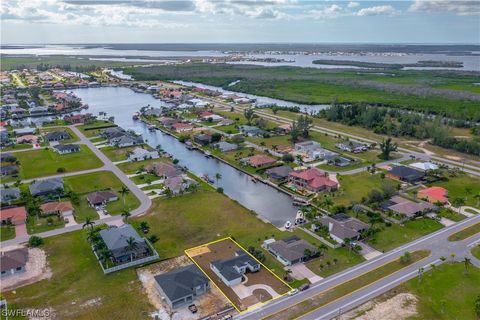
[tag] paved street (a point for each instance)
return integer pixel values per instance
(436, 242)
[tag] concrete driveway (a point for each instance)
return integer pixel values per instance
(300, 271)
(21, 230)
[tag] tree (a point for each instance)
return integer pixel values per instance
(124, 191)
(466, 263)
(288, 157)
(125, 214)
(458, 202)
(420, 274)
(477, 306)
(406, 257)
(307, 253)
(153, 238)
(218, 176)
(387, 147)
(35, 241)
(249, 115)
(295, 132)
(287, 274)
(144, 226)
(132, 245)
(88, 222)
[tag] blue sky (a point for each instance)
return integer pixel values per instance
(160, 21)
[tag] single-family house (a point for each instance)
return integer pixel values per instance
(406, 174)
(338, 160)
(351, 146)
(139, 154)
(79, 118)
(178, 184)
(63, 208)
(434, 195)
(284, 128)
(13, 215)
(57, 136)
(52, 186)
(312, 150)
(226, 122)
(38, 110)
(163, 170)
(181, 286)
(342, 227)
(209, 116)
(407, 208)
(7, 157)
(28, 138)
(6, 170)
(5, 139)
(312, 180)
(8, 195)
(168, 122)
(202, 139)
(224, 146)
(279, 174)
(231, 270)
(112, 132)
(258, 160)
(251, 131)
(153, 112)
(66, 148)
(13, 261)
(99, 198)
(181, 127)
(116, 239)
(126, 140)
(290, 250)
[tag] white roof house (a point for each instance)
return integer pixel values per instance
(424, 166)
(139, 154)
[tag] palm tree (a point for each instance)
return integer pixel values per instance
(125, 214)
(131, 246)
(218, 176)
(88, 222)
(420, 273)
(144, 226)
(124, 192)
(467, 262)
(287, 274)
(105, 255)
(452, 255)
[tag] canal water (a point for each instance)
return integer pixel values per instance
(121, 103)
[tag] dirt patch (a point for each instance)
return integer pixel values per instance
(398, 307)
(36, 269)
(208, 304)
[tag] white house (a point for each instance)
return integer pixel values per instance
(139, 154)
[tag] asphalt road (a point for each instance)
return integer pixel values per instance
(436, 242)
(145, 201)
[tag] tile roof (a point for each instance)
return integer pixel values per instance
(61, 207)
(15, 214)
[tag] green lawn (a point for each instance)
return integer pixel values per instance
(462, 186)
(144, 178)
(133, 167)
(345, 288)
(344, 259)
(102, 180)
(73, 136)
(37, 225)
(396, 235)
(476, 251)
(465, 233)
(41, 163)
(7, 233)
(356, 186)
(21, 146)
(446, 293)
(93, 129)
(450, 214)
(78, 289)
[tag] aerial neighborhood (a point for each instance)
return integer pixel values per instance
(196, 203)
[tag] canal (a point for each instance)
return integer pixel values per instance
(121, 103)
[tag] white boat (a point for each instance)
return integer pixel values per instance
(288, 225)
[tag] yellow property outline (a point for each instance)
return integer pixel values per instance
(231, 302)
(350, 293)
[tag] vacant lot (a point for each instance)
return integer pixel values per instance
(462, 186)
(118, 154)
(93, 129)
(78, 289)
(46, 162)
(465, 233)
(446, 293)
(96, 181)
(37, 225)
(396, 235)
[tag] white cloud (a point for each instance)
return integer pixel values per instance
(459, 7)
(332, 11)
(376, 11)
(353, 4)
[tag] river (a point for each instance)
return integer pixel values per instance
(266, 201)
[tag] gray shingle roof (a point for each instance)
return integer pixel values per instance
(9, 194)
(67, 147)
(226, 267)
(46, 186)
(291, 248)
(181, 282)
(13, 259)
(57, 135)
(116, 238)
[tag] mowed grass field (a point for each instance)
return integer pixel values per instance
(78, 289)
(45, 162)
(446, 293)
(96, 181)
(462, 186)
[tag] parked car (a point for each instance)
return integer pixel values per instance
(304, 287)
(293, 292)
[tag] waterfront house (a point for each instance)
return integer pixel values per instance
(290, 250)
(163, 170)
(312, 150)
(224, 146)
(434, 195)
(52, 186)
(153, 112)
(312, 180)
(139, 154)
(279, 174)
(79, 118)
(125, 140)
(178, 184)
(342, 227)
(24, 131)
(57, 136)
(407, 208)
(424, 166)
(182, 285)
(231, 270)
(13, 262)
(116, 239)
(66, 148)
(13, 215)
(181, 127)
(7, 195)
(100, 198)
(202, 139)
(209, 116)
(258, 161)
